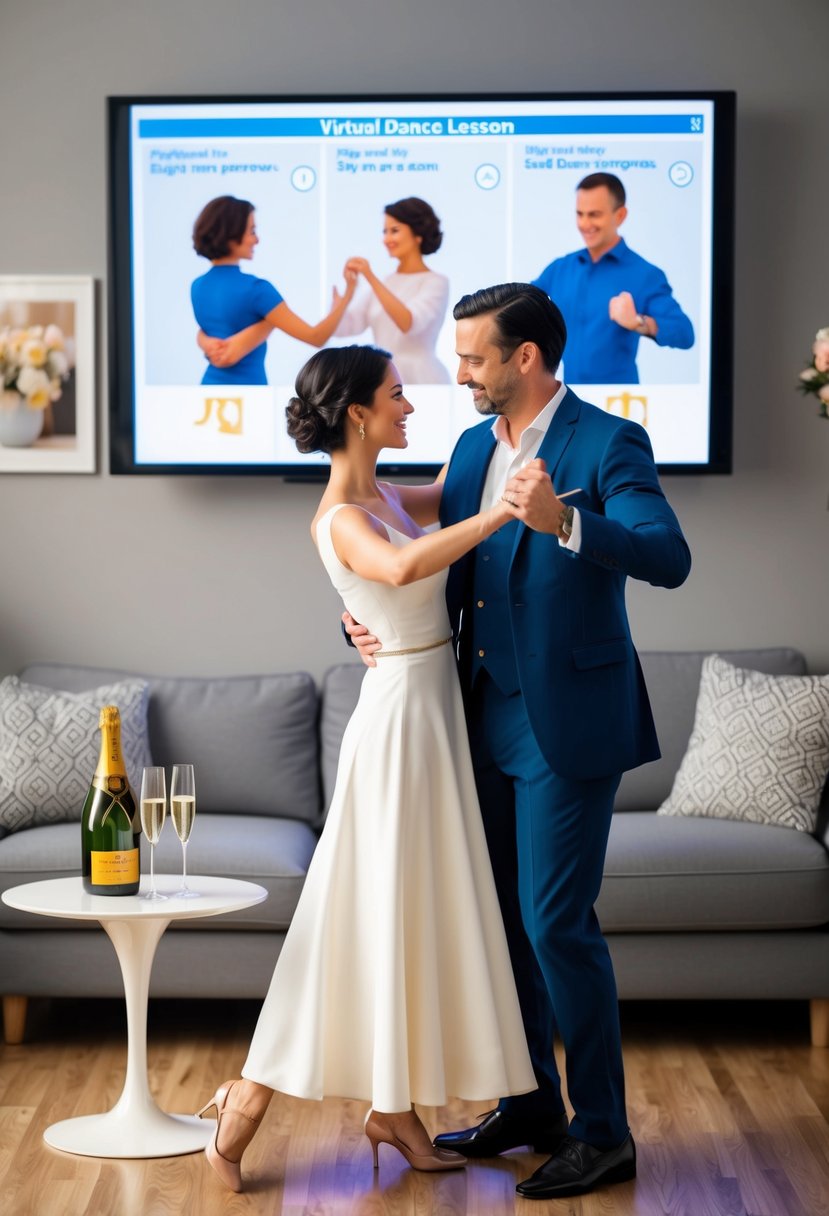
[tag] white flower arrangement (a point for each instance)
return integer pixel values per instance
(815, 379)
(34, 362)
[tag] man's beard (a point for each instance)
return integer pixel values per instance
(487, 408)
(485, 405)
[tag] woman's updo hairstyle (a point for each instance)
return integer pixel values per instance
(422, 220)
(331, 381)
(222, 221)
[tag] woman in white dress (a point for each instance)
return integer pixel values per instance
(405, 310)
(394, 983)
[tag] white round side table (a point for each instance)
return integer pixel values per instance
(135, 1127)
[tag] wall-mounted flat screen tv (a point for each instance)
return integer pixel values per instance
(646, 286)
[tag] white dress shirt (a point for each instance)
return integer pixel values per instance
(507, 460)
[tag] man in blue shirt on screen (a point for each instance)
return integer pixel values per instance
(610, 296)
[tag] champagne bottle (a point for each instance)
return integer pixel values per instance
(110, 827)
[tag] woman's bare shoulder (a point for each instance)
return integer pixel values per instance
(348, 513)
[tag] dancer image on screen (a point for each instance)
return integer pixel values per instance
(556, 705)
(609, 296)
(236, 311)
(394, 983)
(406, 309)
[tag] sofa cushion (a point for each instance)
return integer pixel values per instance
(666, 874)
(252, 739)
(50, 742)
(273, 852)
(672, 678)
(340, 691)
(759, 750)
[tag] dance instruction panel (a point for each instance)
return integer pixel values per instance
(501, 175)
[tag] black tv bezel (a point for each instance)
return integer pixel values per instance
(119, 261)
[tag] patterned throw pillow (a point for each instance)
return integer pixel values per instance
(49, 745)
(759, 750)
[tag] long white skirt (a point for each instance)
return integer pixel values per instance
(394, 983)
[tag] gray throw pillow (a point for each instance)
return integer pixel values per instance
(49, 745)
(759, 750)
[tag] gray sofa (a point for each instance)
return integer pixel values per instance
(693, 908)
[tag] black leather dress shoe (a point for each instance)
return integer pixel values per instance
(499, 1131)
(577, 1168)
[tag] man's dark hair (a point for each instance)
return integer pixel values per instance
(594, 180)
(522, 313)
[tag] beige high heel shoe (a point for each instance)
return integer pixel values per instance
(230, 1172)
(379, 1132)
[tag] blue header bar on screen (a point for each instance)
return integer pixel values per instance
(431, 126)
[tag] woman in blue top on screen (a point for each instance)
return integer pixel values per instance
(405, 310)
(237, 311)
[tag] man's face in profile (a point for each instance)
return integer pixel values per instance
(492, 380)
(598, 219)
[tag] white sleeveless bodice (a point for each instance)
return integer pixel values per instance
(401, 617)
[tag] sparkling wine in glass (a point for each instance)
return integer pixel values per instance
(153, 814)
(183, 812)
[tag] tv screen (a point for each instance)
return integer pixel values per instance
(504, 189)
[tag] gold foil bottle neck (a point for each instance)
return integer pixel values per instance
(109, 716)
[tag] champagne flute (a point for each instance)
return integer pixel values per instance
(183, 812)
(153, 813)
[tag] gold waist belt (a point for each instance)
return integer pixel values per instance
(388, 654)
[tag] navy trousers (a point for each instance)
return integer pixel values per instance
(547, 839)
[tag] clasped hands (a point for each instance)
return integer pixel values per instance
(216, 350)
(355, 267)
(532, 499)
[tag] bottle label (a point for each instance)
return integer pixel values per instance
(115, 868)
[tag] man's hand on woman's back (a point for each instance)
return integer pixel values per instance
(365, 642)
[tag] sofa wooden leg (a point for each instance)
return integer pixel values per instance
(14, 1018)
(819, 1016)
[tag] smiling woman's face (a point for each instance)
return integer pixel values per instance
(399, 239)
(385, 420)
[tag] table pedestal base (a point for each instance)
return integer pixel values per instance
(135, 1127)
(114, 1135)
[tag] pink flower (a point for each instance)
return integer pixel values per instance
(824, 393)
(821, 349)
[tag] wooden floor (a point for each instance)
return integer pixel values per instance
(728, 1103)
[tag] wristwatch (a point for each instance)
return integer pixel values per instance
(565, 521)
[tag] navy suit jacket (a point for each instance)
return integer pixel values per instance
(579, 672)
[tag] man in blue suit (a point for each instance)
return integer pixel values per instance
(556, 704)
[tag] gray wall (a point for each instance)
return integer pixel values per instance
(251, 593)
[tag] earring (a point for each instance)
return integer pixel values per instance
(362, 431)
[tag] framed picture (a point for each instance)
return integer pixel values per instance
(47, 374)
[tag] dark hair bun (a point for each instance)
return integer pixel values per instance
(331, 380)
(305, 426)
(420, 217)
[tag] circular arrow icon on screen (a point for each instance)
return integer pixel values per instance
(487, 176)
(681, 173)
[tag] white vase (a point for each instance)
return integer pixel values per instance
(19, 425)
